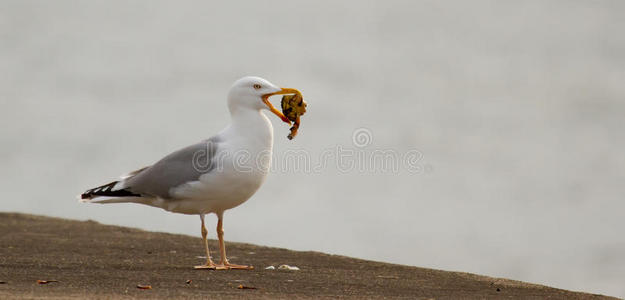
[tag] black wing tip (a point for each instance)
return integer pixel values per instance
(107, 190)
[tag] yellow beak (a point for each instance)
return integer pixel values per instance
(273, 109)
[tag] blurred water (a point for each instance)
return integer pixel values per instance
(517, 108)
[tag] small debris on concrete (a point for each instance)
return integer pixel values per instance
(270, 268)
(144, 287)
(46, 281)
(287, 267)
(243, 287)
(189, 281)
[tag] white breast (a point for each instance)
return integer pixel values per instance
(243, 161)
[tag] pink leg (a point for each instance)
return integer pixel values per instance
(209, 263)
(225, 264)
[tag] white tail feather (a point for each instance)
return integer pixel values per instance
(106, 200)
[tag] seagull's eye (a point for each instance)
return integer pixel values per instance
(257, 86)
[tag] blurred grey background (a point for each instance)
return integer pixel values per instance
(517, 107)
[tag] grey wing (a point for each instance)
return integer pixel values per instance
(182, 166)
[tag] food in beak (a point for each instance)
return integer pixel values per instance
(293, 106)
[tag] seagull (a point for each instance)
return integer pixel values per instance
(211, 176)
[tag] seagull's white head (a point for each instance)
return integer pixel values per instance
(253, 92)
